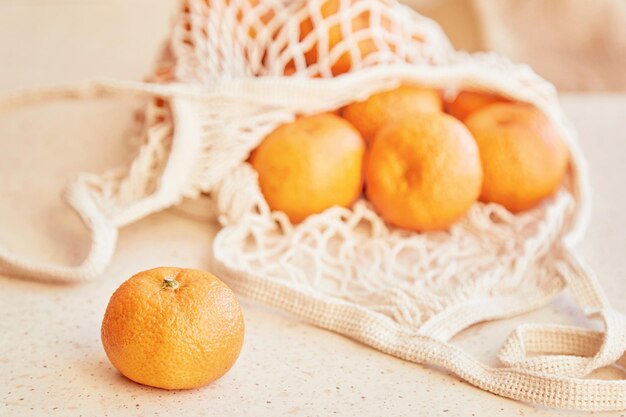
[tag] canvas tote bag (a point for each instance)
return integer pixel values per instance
(234, 70)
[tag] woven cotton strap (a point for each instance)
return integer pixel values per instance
(103, 227)
(103, 238)
(566, 350)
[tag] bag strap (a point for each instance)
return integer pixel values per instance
(79, 195)
(103, 239)
(563, 355)
(567, 350)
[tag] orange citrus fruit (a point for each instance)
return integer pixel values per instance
(336, 32)
(252, 6)
(173, 328)
(423, 172)
(309, 165)
(389, 106)
(467, 102)
(524, 158)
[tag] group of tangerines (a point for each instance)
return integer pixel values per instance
(421, 167)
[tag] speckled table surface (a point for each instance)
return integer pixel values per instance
(51, 359)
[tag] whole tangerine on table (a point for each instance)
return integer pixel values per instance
(524, 158)
(467, 102)
(423, 172)
(309, 165)
(173, 328)
(371, 115)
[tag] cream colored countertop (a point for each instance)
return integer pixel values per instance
(51, 359)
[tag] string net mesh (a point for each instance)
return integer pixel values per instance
(348, 254)
(300, 38)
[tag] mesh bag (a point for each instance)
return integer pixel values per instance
(231, 72)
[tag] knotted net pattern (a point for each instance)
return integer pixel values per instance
(352, 254)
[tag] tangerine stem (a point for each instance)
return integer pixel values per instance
(170, 283)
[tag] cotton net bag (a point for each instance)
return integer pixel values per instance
(234, 70)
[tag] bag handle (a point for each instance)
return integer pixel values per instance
(78, 195)
(568, 353)
(566, 350)
(103, 240)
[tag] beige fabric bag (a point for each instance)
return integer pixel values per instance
(404, 293)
